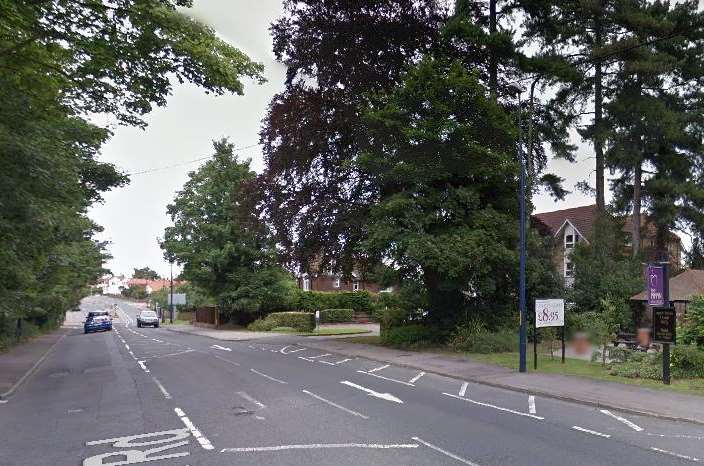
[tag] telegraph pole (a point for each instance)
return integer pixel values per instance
(171, 301)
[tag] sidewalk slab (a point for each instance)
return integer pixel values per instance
(20, 362)
(602, 394)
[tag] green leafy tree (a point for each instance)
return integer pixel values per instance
(604, 323)
(145, 272)
(693, 328)
(223, 246)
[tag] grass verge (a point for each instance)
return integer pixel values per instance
(336, 331)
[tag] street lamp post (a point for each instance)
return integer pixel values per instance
(522, 239)
(171, 301)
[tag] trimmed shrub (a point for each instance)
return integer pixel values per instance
(639, 366)
(473, 337)
(336, 315)
(301, 321)
(360, 301)
(687, 361)
(410, 336)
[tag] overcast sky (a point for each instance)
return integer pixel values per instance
(135, 216)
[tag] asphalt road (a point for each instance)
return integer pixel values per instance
(144, 395)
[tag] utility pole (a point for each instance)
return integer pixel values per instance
(171, 301)
(522, 234)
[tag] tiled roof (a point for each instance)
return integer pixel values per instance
(582, 218)
(682, 287)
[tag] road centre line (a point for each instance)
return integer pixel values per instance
(592, 432)
(378, 368)
(463, 388)
(622, 419)
(251, 400)
(417, 377)
(676, 455)
(370, 392)
(533, 416)
(127, 346)
(143, 366)
(315, 446)
(204, 442)
(387, 378)
(340, 362)
(531, 404)
(687, 436)
(225, 360)
(349, 411)
(268, 376)
(444, 452)
(161, 387)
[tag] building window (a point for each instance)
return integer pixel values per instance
(336, 283)
(569, 269)
(628, 241)
(355, 286)
(306, 284)
(569, 241)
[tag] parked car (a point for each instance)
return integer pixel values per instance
(148, 318)
(99, 323)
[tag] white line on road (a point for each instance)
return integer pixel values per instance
(315, 446)
(593, 432)
(444, 452)
(161, 387)
(326, 362)
(463, 388)
(344, 360)
(173, 354)
(320, 356)
(221, 347)
(157, 340)
(694, 437)
(296, 350)
(676, 455)
(143, 366)
(417, 377)
(383, 396)
(402, 382)
(204, 442)
(251, 400)
(306, 359)
(127, 346)
(226, 360)
(533, 416)
(531, 404)
(623, 419)
(354, 413)
(2, 402)
(268, 376)
(378, 368)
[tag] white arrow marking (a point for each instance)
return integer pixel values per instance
(221, 348)
(383, 396)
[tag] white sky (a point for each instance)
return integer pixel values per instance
(135, 216)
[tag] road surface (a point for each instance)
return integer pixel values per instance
(151, 396)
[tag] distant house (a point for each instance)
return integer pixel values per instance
(153, 286)
(570, 226)
(683, 287)
(329, 281)
(113, 284)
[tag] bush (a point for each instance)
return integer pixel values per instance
(411, 336)
(687, 361)
(692, 332)
(336, 315)
(301, 321)
(472, 337)
(359, 301)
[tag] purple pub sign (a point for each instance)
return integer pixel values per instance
(655, 283)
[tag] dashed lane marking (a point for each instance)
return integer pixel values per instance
(268, 376)
(531, 404)
(686, 436)
(143, 366)
(592, 432)
(622, 419)
(251, 400)
(444, 452)
(463, 388)
(499, 408)
(161, 387)
(331, 403)
(378, 368)
(416, 378)
(676, 455)
(204, 442)
(316, 446)
(402, 382)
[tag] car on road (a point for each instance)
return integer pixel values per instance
(93, 314)
(148, 318)
(99, 323)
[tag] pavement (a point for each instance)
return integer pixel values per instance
(147, 395)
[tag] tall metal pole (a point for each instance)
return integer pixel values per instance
(171, 302)
(522, 233)
(666, 298)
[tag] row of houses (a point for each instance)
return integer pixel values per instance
(114, 284)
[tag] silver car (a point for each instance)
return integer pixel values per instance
(148, 318)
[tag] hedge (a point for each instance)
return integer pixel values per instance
(359, 301)
(336, 315)
(301, 321)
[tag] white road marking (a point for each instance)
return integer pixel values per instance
(417, 377)
(592, 432)
(344, 360)
(623, 419)
(383, 396)
(326, 362)
(161, 387)
(687, 436)
(133, 356)
(143, 366)
(2, 402)
(354, 413)
(463, 388)
(402, 382)
(268, 376)
(221, 348)
(531, 404)
(251, 400)
(157, 340)
(378, 368)
(226, 360)
(320, 356)
(127, 346)
(173, 354)
(204, 442)
(444, 452)
(296, 351)
(132, 455)
(676, 455)
(533, 416)
(315, 446)
(306, 359)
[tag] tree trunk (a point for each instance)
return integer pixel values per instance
(637, 200)
(493, 62)
(598, 104)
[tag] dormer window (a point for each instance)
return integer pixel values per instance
(569, 241)
(355, 286)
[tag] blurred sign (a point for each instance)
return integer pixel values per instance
(664, 325)
(179, 299)
(655, 277)
(549, 313)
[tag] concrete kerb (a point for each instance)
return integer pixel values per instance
(545, 394)
(32, 370)
(187, 332)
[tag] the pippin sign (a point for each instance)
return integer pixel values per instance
(549, 313)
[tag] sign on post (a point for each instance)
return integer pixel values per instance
(664, 325)
(656, 284)
(317, 319)
(179, 299)
(549, 313)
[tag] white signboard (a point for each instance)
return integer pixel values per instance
(179, 298)
(549, 313)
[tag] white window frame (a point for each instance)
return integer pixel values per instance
(336, 283)
(570, 244)
(355, 285)
(306, 284)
